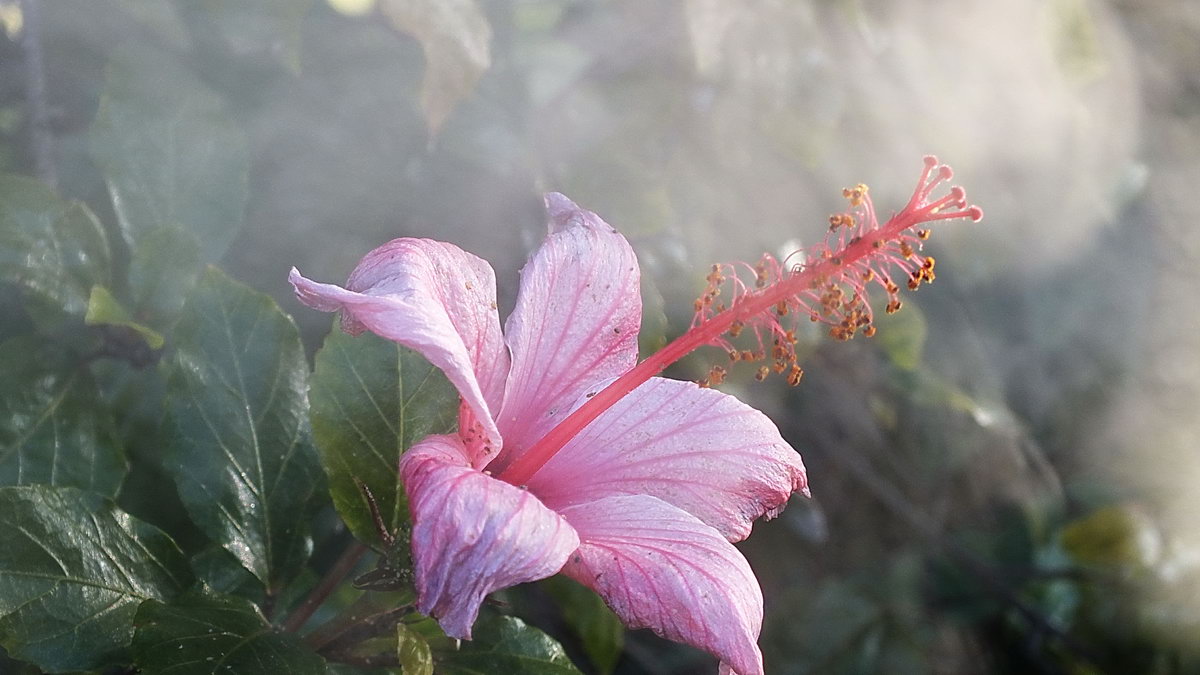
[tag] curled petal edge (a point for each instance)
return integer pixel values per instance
(437, 299)
(473, 534)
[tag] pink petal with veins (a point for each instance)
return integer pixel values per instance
(698, 449)
(435, 298)
(660, 568)
(473, 534)
(576, 322)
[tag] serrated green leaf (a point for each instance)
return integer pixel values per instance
(169, 152)
(53, 429)
(207, 634)
(53, 249)
(163, 268)
(599, 630)
(371, 400)
(73, 570)
(505, 644)
(105, 310)
(241, 455)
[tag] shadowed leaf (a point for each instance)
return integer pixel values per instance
(54, 250)
(208, 634)
(169, 152)
(53, 429)
(164, 267)
(73, 570)
(371, 400)
(241, 455)
(598, 628)
(506, 644)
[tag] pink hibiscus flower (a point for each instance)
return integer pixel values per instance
(571, 456)
(641, 505)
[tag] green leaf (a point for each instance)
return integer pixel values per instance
(506, 644)
(653, 334)
(73, 570)
(599, 630)
(105, 310)
(902, 336)
(207, 634)
(413, 651)
(223, 573)
(163, 268)
(53, 429)
(1113, 535)
(371, 400)
(456, 38)
(241, 455)
(55, 250)
(252, 29)
(169, 152)
(11, 667)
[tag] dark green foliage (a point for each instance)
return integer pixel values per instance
(241, 452)
(52, 430)
(598, 630)
(165, 263)
(506, 644)
(371, 400)
(207, 634)
(73, 571)
(54, 251)
(169, 152)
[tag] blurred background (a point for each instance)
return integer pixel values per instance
(1004, 478)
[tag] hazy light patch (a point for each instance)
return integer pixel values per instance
(352, 7)
(11, 19)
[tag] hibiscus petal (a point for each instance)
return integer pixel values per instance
(435, 298)
(473, 534)
(699, 449)
(576, 321)
(660, 568)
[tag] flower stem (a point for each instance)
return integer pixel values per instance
(332, 579)
(41, 134)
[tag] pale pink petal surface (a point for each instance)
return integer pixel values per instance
(435, 298)
(575, 322)
(473, 534)
(699, 449)
(660, 568)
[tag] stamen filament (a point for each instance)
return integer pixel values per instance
(861, 259)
